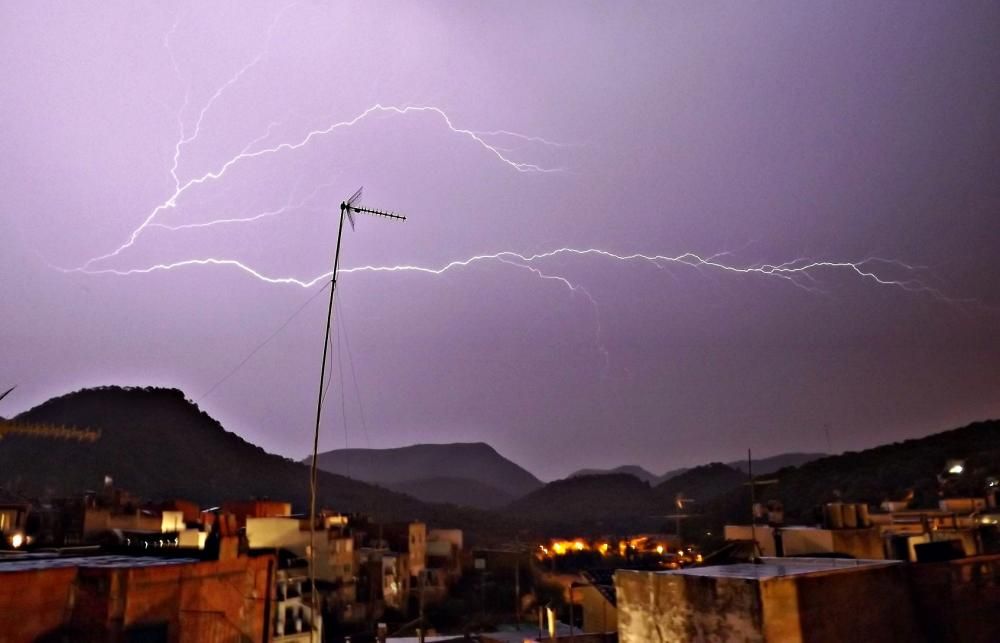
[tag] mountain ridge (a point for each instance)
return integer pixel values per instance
(762, 466)
(158, 444)
(474, 461)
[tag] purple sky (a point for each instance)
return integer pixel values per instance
(773, 131)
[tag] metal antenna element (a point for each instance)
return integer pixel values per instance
(7, 392)
(347, 208)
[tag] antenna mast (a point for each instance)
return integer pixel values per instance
(347, 208)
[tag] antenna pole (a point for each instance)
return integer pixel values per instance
(346, 207)
(319, 414)
(753, 508)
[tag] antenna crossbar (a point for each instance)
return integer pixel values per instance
(373, 211)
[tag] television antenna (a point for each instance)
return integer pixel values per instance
(347, 210)
(50, 431)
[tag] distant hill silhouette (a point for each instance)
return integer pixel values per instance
(455, 491)
(598, 503)
(630, 469)
(474, 461)
(158, 444)
(761, 467)
(700, 484)
(765, 466)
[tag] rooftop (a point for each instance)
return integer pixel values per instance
(781, 568)
(29, 562)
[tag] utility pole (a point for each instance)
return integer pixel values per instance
(422, 580)
(517, 582)
(347, 208)
(517, 591)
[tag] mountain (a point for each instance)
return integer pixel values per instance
(630, 469)
(454, 491)
(596, 503)
(159, 445)
(474, 461)
(893, 470)
(700, 483)
(763, 466)
(766, 466)
(890, 471)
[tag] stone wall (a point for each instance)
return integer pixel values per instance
(662, 608)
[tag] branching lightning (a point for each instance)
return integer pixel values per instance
(182, 188)
(800, 272)
(251, 151)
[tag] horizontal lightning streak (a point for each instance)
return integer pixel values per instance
(793, 271)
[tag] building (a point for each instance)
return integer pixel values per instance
(597, 601)
(408, 538)
(784, 600)
(849, 530)
(123, 598)
(293, 617)
(383, 578)
(865, 543)
(444, 557)
(244, 509)
(13, 527)
(957, 600)
(334, 558)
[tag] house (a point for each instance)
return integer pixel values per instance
(786, 600)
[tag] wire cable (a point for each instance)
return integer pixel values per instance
(264, 343)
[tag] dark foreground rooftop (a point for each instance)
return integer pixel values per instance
(782, 567)
(30, 562)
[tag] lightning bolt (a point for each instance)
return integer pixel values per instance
(254, 149)
(524, 137)
(284, 209)
(181, 189)
(799, 272)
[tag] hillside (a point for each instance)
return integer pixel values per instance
(890, 471)
(158, 444)
(597, 504)
(700, 483)
(763, 466)
(630, 469)
(455, 491)
(475, 461)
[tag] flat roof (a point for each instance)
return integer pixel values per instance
(782, 567)
(30, 562)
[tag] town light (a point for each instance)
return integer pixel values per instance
(16, 540)
(659, 549)
(956, 469)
